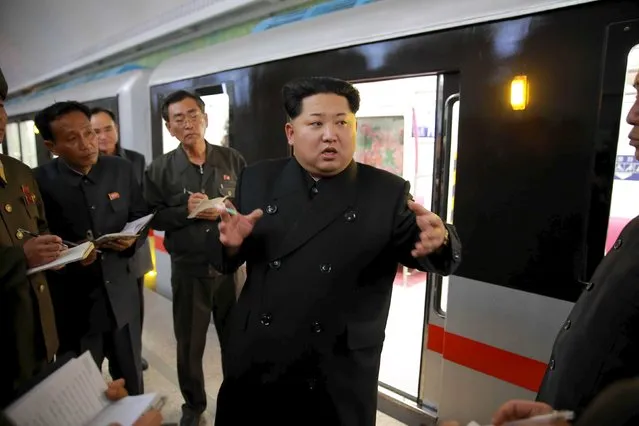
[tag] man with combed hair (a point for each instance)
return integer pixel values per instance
(321, 236)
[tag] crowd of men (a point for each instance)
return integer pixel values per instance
(303, 340)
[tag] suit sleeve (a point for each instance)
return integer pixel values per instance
(218, 256)
(406, 233)
(137, 208)
(170, 215)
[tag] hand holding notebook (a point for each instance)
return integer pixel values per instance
(75, 395)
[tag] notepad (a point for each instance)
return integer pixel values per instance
(130, 230)
(208, 204)
(74, 254)
(74, 396)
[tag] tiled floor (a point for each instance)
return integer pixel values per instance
(159, 350)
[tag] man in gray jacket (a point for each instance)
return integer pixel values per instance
(106, 129)
(174, 185)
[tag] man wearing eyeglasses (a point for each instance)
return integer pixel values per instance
(174, 185)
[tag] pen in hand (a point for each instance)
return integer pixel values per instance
(65, 242)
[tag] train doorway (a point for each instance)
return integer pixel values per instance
(624, 204)
(408, 126)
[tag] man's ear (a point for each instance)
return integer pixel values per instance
(51, 147)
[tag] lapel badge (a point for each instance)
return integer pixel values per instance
(114, 195)
(29, 198)
(226, 177)
(8, 208)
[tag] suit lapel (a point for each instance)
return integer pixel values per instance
(335, 196)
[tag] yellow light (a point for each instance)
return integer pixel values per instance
(519, 93)
(151, 274)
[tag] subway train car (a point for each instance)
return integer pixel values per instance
(513, 109)
(507, 118)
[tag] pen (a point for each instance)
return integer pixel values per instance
(543, 419)
(65, 242)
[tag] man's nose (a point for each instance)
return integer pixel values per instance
(633, 114)
(329, 133)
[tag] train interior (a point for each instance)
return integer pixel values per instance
(409, 124)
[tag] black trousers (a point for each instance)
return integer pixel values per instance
(194, 300)
(123, 349)
(113, 363)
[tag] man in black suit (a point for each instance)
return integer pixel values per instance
(304, 341)
(598, 343)
(86, 196)
(106, 129)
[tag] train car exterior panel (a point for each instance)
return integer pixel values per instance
(520, 228)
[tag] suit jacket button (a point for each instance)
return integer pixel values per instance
(317, 327)
(41, 288)
(275, 264)
(618, 243)
(551, 365)
(326, 268)
(350, 216)
(271, 209)
(311, 384)
(589, 286)
(455, 255)
(567, 325)
(265, 319)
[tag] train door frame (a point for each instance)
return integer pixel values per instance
(621, 38)
(203, 86)
(394, 402)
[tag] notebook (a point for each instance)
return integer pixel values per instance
(74, 396)
(74, 254)
(208, 204)
(130, 230)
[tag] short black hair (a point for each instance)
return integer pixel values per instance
(44, 118)
(294, 92)
(98, 110)
(179, 96)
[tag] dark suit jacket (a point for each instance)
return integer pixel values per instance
(599, 342)
(306, 335)
(141, 262)
(102, 295)
(27, 322)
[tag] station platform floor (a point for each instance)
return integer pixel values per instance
(159, 349)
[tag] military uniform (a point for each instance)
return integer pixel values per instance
(27, 324)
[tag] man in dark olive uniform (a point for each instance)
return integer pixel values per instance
(27, 324)
(598, 344)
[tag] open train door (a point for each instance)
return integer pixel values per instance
(408, 126)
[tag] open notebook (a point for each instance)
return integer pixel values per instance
(130, 230)
(74, 396)
(74, 254)
(208, 204)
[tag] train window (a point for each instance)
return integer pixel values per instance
(28, 143)
(624, 204)
(217, 109)
(396, 129)
(13, 141)
(443, 294)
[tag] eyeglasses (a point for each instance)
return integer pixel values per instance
(192, 117)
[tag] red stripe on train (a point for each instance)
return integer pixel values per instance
(501, 364)
(507, 366)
